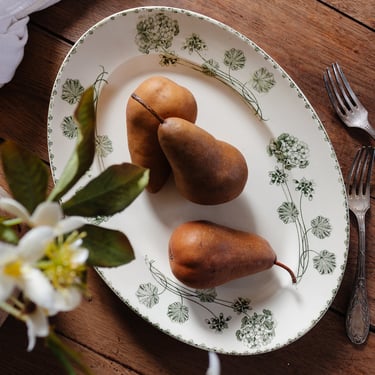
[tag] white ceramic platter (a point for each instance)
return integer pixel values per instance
(294, 197)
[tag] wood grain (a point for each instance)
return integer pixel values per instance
(24, 101)
(304, 37)
(362, 11)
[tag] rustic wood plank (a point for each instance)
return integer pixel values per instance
(41, 361)
(136, 340)
(110, 336)
(115, 340)
(275, 26)
(361, 10)
(24, 101)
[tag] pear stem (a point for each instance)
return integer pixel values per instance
(282, 265)
(148, 107)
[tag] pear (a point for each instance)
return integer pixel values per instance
(206, 170)
(168, 99)
(204, 254)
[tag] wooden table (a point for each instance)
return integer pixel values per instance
(303, 36)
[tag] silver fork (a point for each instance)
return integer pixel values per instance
(358, 190)
(344, 101)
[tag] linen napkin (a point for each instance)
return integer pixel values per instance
(14, 16)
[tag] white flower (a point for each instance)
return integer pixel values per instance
(37, 326)
(17, 267)
(45, 266)
(65, 265)
(46, 214)
(66, 299)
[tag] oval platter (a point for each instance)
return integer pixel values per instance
(294, 197)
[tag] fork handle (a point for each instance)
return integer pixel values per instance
(358, 315)
(369, 129)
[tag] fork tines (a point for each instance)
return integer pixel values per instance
(339, 91)
(359, 178)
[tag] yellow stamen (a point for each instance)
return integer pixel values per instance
(13, 269)
(58, 265)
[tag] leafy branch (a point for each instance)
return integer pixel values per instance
(56, 245)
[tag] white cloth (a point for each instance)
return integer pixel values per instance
(13, 32)
(214, 367)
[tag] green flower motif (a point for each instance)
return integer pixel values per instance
(206, 295)
(241, 305)
(69, 127)
(194, 43)
(257, 330)
(218, 323)
(263, 80)
(103, 145)
(278, 176)
(325, 262)
(178, 312)
(306, 187)
(234, 59)
(72, 91)
(156, 32)
(168, 59)
(147, 294)
(210, 67)
(321, 227)
(289, 151)
(288, 212)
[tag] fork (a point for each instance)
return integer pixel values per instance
(344, 101)
(358, 191)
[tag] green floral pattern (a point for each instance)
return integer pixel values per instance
(263, 80)
(69, 127)
(72, 90)
(103, 146)
(163, 33)
(291, 153)
(157, 32)
(255, 330)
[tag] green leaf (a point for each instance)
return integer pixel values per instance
(83, 155)
(8, 234)
(109, 193)
(67, 356)
(26, 174)
(107, 247)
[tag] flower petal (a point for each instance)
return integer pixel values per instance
(69, 224)
(15, 208)
(8, 252)
(7, 286)
(47, 213)
(32, 244)
(67, 299)
(37, 287)
(80, 256)
(37, 326)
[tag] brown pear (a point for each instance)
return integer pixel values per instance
(206, 170)
(203, 254)
(168, 99)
